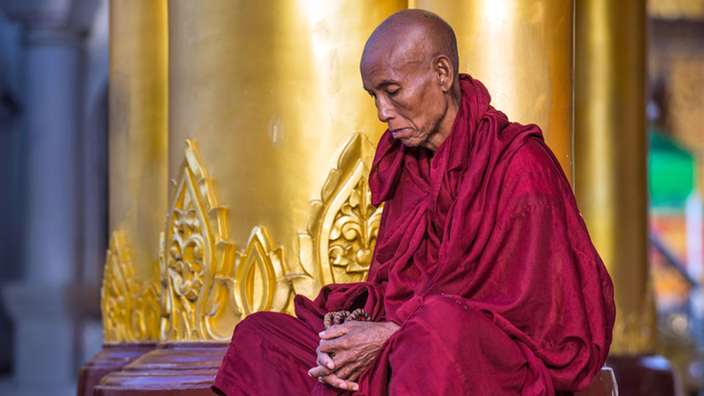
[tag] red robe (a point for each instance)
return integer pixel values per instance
(483, 260)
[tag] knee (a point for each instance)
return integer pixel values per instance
(255, 319)
(444, 307)
(253, 324)
(449, 315)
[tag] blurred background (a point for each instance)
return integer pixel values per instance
(53, 106)
(54, 68)
(675, 112)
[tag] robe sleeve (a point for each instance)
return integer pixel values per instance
(341, 296)
(406, 310)
(543, 282)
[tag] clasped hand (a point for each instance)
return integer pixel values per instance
(346, 349)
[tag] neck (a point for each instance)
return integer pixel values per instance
(444, 126)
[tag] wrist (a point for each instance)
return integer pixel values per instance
(392, 326)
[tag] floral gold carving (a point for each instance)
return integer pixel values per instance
(130, 307)
(354, 231)
(208, 286)
(193, 248)
(338, 243)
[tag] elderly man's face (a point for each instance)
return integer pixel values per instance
(406, 92)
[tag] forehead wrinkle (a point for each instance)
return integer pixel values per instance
(393, 61)
(408, 51)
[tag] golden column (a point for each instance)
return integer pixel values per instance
(138, 168)
(610, 168)
(138, 185)
(522, 52)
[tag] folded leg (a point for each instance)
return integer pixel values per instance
(447, 347)
(270, 353)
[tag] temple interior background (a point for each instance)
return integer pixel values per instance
(122, 120)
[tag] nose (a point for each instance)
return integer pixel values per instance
(384, 110)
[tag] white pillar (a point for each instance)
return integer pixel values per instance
(44, 336)
(52, 64)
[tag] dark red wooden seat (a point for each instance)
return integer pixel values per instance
(604, 384)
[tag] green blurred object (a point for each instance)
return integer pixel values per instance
(670, 171)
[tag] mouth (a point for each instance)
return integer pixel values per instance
(399, 133)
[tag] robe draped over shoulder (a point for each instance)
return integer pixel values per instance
(490, 221)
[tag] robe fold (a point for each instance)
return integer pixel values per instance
(483, 260)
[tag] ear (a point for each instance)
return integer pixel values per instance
(445, 72)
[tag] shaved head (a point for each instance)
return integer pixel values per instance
(423, 31)
(410, 67)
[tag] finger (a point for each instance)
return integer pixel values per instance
(343, 358)
(340, 383)
(324, 359)
(350, 372)
(354, 376)
(333, 346)
(319, 371)
(335, 331)
(344, 372)
(335, 381)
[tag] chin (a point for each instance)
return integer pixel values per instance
(412, 142)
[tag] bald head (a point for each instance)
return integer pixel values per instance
(418, 33)
(410, 67)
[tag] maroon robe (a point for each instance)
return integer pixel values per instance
(483, 260)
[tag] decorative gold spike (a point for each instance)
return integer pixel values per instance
(195, 252)
(208, 287)
(262, 285)
(130, 309)
(343, 225)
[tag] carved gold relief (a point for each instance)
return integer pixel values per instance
(260, 273)
(208, 287)
(354, 231)
(343, 225)
(193, 248)
(130, 308)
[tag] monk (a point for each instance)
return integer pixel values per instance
(484, 280)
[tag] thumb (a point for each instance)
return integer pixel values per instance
(333, 332)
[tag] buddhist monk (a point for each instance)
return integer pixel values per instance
(484, 280)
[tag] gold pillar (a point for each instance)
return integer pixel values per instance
(138, 168)
(522, 51)
(270, 142)
(610, 167)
